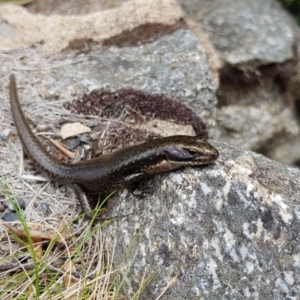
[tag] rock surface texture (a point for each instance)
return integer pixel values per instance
(245, 33)
(229, 230)
(226, 231)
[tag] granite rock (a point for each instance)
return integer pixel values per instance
(229, 229)
(245, 33)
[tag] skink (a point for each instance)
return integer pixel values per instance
(120, 169)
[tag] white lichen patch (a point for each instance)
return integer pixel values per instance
(205, 188)
(143, 249)
(253, 235)
(147, 232)
(289, 277)
(250, 188)
(216, 244)
(249, 267)
(243, 171)
(127, 240)
(222, 194)
(219, 200)
(296, 258)
(219, 224)
(183, 241)
(284, 213)
(244, 198)
(243, 251)
(192, 201)
(282, 285)
(230, 244)
(211, 267)
(226, 188)
(228, 238)
(177, 215)
(247, 292)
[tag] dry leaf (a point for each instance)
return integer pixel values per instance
(38, 234)
(73, 129)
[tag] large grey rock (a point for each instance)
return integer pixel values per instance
(245, 33)
(258, 120)
(254, 42)
(174, 65)
(228, 230)
(54, 33)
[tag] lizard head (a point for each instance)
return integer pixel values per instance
(193, 151)
(182, 151)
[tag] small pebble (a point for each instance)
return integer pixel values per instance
(5, 134)
(10, 217)
(84, 138)
(73, 143)
(93, 123)
(45, 208)
(9, 204)
(87, 147)
(42, 127)
(95, 135)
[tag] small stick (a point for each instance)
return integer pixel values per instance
(63, 149)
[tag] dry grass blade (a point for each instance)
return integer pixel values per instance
(81, 269)
(15, 2)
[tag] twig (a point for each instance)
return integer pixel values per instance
(63, 149)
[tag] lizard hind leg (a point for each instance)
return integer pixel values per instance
(83, 199)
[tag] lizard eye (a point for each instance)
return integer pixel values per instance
(191, 152)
